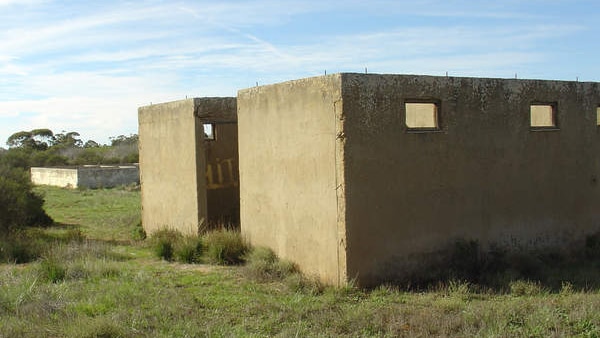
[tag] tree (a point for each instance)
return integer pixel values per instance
(91, 144)
(89, 156)
(16, 158)
(19, 205)
(36, 139)
(67, 140)
(124, 140)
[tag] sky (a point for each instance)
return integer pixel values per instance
(86, 66)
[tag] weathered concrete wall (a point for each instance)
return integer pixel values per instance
(171, 154)
(59, 177)
(188, 180)
(107, 176)
(484, 175)
(333, 179)
(92, 176)
(288, 176)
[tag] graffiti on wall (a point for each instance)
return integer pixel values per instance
(221, 174)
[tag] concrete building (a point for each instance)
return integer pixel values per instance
(360, 176)
(188, 164)
(87, 176)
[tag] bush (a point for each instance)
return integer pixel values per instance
(52, 270)
(189, 249)
(263, 264)
(225, 247)
(300, 283)
(526, 288)
(20, 248)
(163, 242)
(138, 233)
(19, 205)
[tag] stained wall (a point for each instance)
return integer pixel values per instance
(485, 173)
(189, 181)
(171, 154)
(288, 173)
(335, 178)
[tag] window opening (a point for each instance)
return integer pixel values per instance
(421, 115)
(543, 116)
(209, 132)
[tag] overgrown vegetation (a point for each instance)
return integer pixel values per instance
(262, 264)
(19, 205)
(221, 247)
(20, 209)
(225, 247)
(93, 280)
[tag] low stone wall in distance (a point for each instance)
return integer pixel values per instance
(59, 177)
(87, 176)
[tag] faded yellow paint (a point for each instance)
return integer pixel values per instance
(222, 181)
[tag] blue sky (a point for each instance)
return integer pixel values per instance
(87, 66)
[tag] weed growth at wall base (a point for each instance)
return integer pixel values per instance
(113, 288)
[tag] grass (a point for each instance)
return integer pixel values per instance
(102, 284)
(102, 214)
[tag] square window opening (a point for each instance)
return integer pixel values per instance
(542, 116)
(209, 132)
(598, 116)
(422, 115)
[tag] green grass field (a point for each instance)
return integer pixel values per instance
(103, 214)
(104, 284)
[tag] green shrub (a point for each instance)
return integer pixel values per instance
(52, 270)
(298, 282)
(15, 250)
(526, 288)
(460, 289)
(164, 249)
(163, 242)
(263, 264)
(100, 327)
(21, 247)
(138, 233)
(19, 205)
(225, 247)
(189, 249)
(72, 235)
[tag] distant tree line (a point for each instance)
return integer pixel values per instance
(42, 147)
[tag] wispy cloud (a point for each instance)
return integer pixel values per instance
(88, 66)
